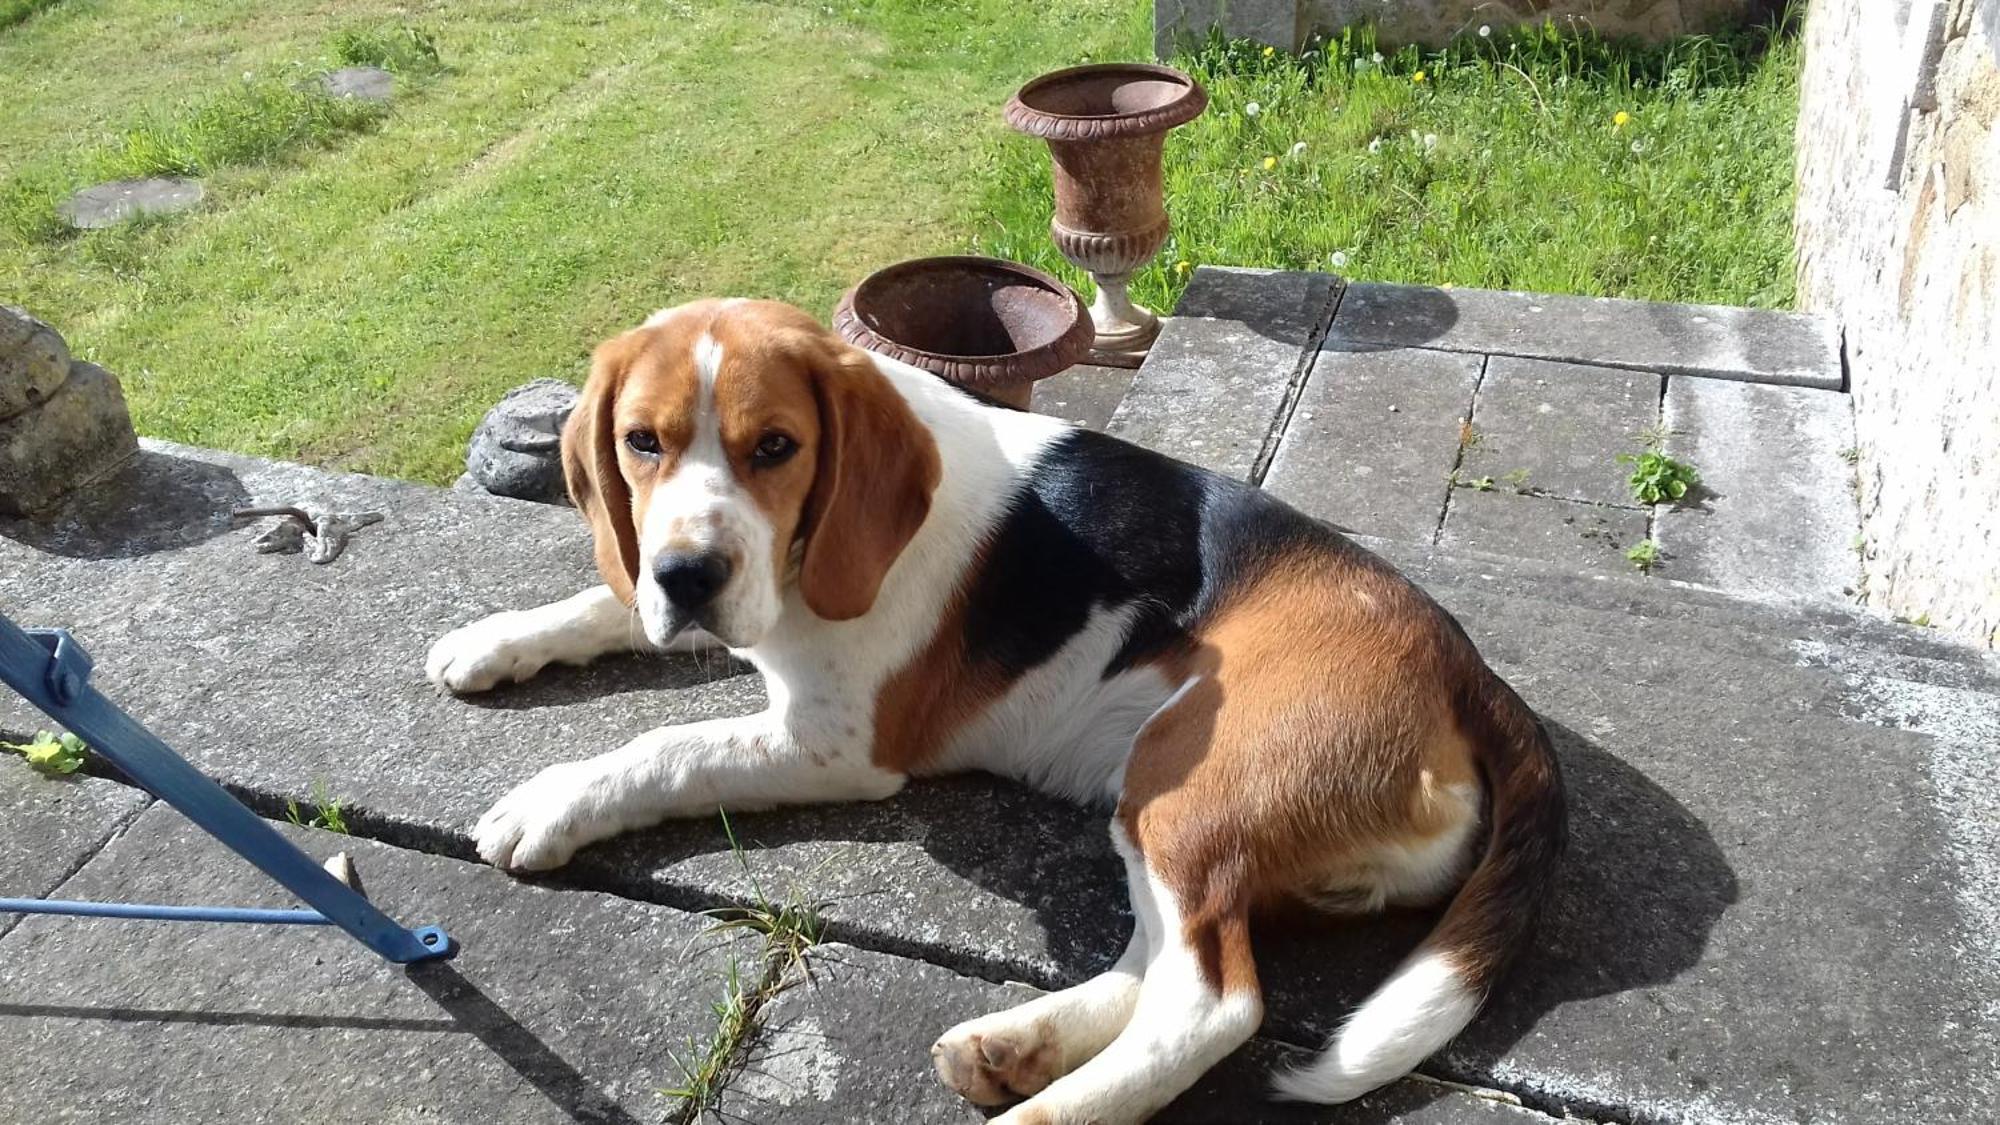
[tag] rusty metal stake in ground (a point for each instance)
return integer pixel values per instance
(321, 537)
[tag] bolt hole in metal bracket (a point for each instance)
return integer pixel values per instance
(52, 671)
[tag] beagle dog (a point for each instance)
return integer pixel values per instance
(929, 583)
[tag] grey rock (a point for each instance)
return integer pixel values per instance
(1215, 381)
(1372, 440)
(1775, 514)
(1539, 527)
(560, 1006)
(1564, 423)
(34, 361)
(81, 433)
(1085, 394)
(851, 1042)
(51, 823)
(516, 450)
(1724, 342)
(366, 83)
(107, 205)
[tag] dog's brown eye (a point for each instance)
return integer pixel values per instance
(643, 443)
(773, 448)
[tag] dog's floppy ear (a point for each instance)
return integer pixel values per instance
(590, 467)
(877, 469)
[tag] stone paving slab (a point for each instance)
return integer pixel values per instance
(1681, 757)
(50, 824)
(1087, 394)
(562, 1006)
(1777, 514)
(853, 1044)
(1214, 386)
(1715, 341)
(1562, 424)
(1505, 522)
(1373, 439)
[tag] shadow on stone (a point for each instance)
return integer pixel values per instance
(472, 1010)
(1385, 318)
(152, 503)
(611, 676)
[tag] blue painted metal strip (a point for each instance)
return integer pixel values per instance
(52, 672)
(294, 917)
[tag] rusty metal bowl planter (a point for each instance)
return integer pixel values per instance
(1106, 126)
(993, 327)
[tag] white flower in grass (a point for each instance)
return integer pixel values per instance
(1486, 31)
(1338, 258)
(1430, 141)
(1298, 150)
(1252, 109)
(1375, 145)
(1376, 58)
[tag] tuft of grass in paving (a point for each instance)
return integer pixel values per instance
(1532, 159)
(326, 811)
(786, 928)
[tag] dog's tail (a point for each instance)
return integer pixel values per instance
(1437, 990)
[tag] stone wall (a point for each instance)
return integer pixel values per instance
(1288, 24)
(1899, 237)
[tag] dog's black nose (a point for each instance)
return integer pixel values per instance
(692, 581)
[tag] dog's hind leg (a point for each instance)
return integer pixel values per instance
(1015, 1053)
(1197, 1002)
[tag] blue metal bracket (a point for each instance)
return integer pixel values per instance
(52, 671)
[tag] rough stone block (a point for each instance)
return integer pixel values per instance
(1775, 514)
(81, 433)
(1723, 342)
(50, 824)
(561, 1006)
(1279, 23)
(1371, 442)
(1563, 423)
(852, 1043)
(1502, 522)
(517, 449)
(34, 361)
(1211, 389)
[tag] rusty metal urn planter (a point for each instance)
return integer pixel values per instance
(1106, 127)
(993, 327)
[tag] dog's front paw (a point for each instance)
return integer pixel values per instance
(543, 822)
(994, 1065)
(488, 652)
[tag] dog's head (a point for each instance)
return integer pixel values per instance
(728, 449)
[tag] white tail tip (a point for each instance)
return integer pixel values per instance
(1414, 1013)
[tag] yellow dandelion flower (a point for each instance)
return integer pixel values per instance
(1620, 119)
(1270, 162)
(1417, 77)
(1269, 51)
(1182, 266)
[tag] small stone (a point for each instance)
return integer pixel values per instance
(517, 449)
(34, 361)
(1395, 410)
(365, 83)
(107, 205)
(82, 432)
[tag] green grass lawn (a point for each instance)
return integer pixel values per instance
(357, 288)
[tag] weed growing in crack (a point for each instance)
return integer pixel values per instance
(1644, 555)
(328, 811)
(705, 1068)
(1657, 478)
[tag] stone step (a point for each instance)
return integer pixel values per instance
(851, 1041)
(561, 1006)
(1774, 850)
